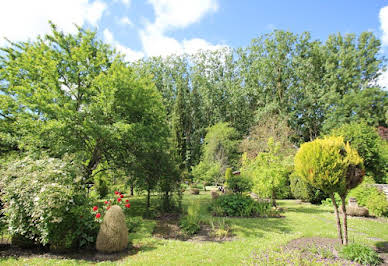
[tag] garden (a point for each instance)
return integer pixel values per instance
(270, 154)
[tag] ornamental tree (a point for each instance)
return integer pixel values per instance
(334, 167)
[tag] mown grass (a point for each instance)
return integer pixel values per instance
(252, 236)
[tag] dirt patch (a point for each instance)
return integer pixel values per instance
(169, 229)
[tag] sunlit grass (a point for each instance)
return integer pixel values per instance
(252, 236)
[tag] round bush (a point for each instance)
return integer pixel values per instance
(45, 203)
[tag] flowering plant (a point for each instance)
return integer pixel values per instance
(117, 199)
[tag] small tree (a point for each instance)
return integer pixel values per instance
(268, 171)
(334, 167)
(205, 173)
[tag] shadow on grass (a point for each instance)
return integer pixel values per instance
(257, 227)
(382, 246)
(90, 255)
(307, 209)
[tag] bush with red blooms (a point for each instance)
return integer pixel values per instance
(117, 199)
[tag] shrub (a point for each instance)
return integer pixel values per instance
(133, 223)
(239, 183)
(369, 145)
(240, 205)
(190, 224)
(101, 186)
(360, 254)
(302, 190)
(370, 197)
(113, 234)
(46, 203)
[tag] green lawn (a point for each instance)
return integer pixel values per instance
(252, 236)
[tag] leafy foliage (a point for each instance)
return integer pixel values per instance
(369, 145)
(45, 202)
(327, 164)
(360, 253)
(269, 172)
(207, 173)
(239, 183)
(240, 205)
(75, 95)
(190, 223)
(300, 189)
(370, 197)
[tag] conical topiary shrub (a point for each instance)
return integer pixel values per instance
(113, 234)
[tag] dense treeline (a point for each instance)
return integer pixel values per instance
(315, 86)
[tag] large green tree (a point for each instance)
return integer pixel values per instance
(75, 95)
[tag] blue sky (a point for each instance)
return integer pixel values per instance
(160, 27)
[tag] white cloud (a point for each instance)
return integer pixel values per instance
(383, 16)
(25, 19)
(127, 3)
(194, 45)
(176, 14)
(180, 13)
(126, 21)
(130, 55)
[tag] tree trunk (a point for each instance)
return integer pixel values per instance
(148, 198)
(273, 199)
(337, 217)
(345, 219)
(131, 189)
(93, 163)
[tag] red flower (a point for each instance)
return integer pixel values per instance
(95, 208)
(126, 201)
(128, 205)
(121, 196)
(119, 199)
(98, 215)
(106, 202)
(116, 192)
